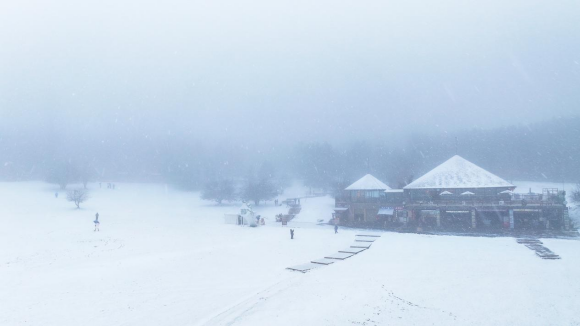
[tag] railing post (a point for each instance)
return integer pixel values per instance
(512, 222)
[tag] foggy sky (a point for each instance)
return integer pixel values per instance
(286, 70)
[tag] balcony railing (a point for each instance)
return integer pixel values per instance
(482, 203)
(475, 202)
(363, 200)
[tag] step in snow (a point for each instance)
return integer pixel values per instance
(529, 241)
(365, 245)
(552, 257)
(547, 255)
(324, 261)
(340, 255)
(364, 239)
(536, 245)
(304, 267)
(353, 250)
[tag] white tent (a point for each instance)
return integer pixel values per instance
(386, 211)
(232, 219)
(245, 217)
(467, 193)
(446, 193)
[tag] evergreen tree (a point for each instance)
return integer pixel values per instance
(576, 194)
(63, 174)
(219, 190)
(257, 190)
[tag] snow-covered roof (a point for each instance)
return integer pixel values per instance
(458, 172)
(368, 182)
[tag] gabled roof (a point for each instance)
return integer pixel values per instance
(368, 182)
(458, 172)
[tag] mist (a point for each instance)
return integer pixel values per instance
(120, 81)
(276, 162)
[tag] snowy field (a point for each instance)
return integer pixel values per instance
(164, 257)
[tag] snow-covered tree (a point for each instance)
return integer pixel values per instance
(62, 174)
(77, 196)
(219, 191)
(86, 173)
(259, 190)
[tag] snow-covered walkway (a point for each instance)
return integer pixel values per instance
(362, 243)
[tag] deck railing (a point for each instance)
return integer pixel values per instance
(472, 203)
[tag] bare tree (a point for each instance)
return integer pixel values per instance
(77, 196)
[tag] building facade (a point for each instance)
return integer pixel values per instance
(456, 195)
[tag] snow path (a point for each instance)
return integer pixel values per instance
(238, 310)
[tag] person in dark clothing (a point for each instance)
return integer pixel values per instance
(291, 234)
(97, 223)
(335, 229)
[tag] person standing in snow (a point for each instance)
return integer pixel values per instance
(97, 223)
(291, 234)
(56, 194)
(335, 228)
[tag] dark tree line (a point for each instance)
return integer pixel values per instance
(65, 173)
(548, 150)
(255, 187)
(576, 194)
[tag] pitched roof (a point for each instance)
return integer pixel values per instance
(458, 172)
(368, 182)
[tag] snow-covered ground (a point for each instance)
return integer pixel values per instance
(164, 257)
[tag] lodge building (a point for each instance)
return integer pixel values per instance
(456, 195)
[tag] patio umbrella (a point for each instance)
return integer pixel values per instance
(467, 193)
(446, 193)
